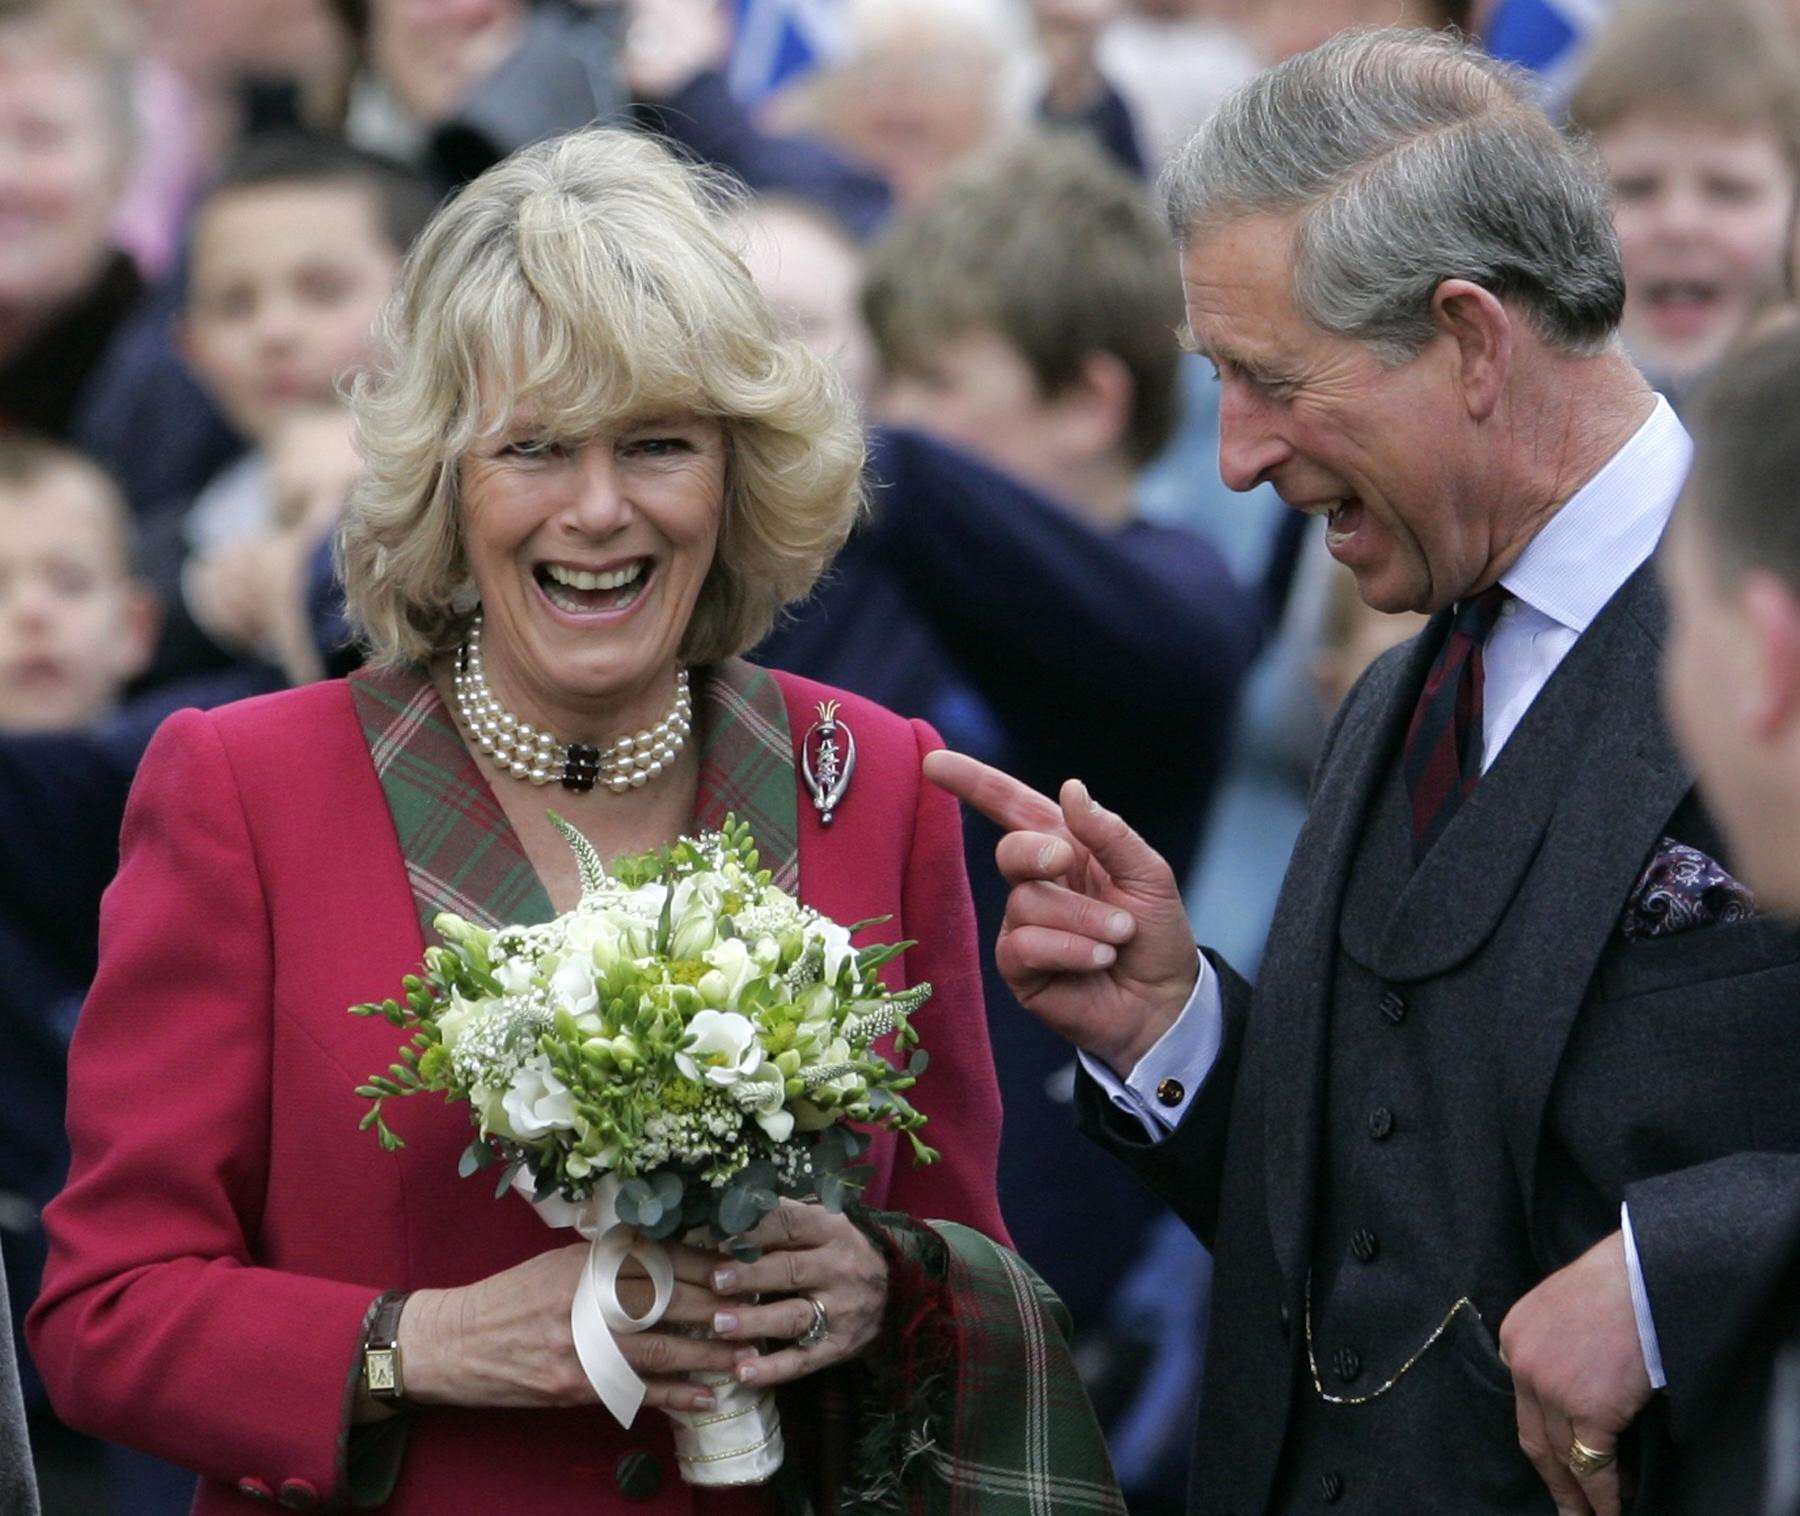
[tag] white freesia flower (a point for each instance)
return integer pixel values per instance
(724, 1050)
(694, 916)
(514, 975)
(732, 968)
(538, 1103)
(594, 935)
(572, 985)
(764, 1095)
(454, 1022)
(835, 939)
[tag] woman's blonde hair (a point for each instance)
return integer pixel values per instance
(584, 281)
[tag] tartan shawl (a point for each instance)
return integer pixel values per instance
(461, 852)
(970, 1405)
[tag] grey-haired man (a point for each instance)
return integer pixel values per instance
(1467, 1151)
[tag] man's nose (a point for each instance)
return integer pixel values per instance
(1250, 445)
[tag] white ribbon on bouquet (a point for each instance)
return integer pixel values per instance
(739, 1440)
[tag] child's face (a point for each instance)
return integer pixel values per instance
(284, 288)
(60, 173)
(74, 628)
(1703, 214)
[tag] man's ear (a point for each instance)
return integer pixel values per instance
(1094, 408)
(1483, 333)
(1771, 618)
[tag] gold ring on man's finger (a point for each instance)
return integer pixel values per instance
(1585, 1461)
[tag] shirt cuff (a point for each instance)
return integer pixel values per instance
(1159, 1087)
(1640, 1305)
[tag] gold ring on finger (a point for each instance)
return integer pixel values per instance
(1585, 1461)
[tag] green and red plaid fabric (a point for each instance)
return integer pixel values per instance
(1024, 1437)
(461, 852)
(969, 1405)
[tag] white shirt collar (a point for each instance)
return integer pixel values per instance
(1582, 556)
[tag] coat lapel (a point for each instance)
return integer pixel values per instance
(463, 855)
(1612, 809)
(461, 852)
(1294, 992)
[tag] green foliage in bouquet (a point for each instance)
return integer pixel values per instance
(688, 1027)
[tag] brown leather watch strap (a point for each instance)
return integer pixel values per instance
(381, 1373)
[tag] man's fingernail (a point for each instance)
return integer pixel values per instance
(1092, 803)
(724, 1280)
(743, 1355)
(1045, 854)
(1103, 955)
(1119, 923)
(724, 1321)
(746, 1373)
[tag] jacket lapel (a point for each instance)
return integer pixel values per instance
(1613, 808)
(747, 764)
(1294, 991)
(461, 852)
(463, 855)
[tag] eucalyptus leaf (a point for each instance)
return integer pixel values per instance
(506, 1177)
(921, 1060)
(738, 1213)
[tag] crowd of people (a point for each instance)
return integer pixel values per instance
(966, 365)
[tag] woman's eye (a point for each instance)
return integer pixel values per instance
(659, 447)
(532, 449)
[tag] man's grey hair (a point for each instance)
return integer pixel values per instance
(1409, 158)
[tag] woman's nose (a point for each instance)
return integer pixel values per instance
(600, 504)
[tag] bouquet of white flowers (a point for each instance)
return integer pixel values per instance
(668, 1058)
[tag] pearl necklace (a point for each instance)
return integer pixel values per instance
(526, 753)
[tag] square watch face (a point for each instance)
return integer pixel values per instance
(378, 1365)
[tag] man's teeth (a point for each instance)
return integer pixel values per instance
(578, 579)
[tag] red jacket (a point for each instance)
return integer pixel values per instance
(226, 1226)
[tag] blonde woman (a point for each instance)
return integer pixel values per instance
(595, 475)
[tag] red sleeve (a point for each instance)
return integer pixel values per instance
(958, 1092)
(156, 1328)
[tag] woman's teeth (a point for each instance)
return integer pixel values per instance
(580, 580)
(579, 592)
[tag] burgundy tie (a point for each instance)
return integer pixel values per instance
(1442, 757)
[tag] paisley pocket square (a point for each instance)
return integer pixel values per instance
(1680, 889)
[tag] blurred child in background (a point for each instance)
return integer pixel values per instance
(66, 134)
(1695, 105)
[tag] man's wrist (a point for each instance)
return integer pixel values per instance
(1151, 1030)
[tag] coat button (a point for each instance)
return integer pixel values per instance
(1171, 1092)
(254, 1488)
(299, 1495)
(1364, 1245)
(1393, 1006)
(1348, 1364)
(1381, 1123)
(1331, 1488)
(638, 1475)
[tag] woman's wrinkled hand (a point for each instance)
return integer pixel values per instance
(506, 1340)
(808, 1254)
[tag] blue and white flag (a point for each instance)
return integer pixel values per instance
(779, 40)
(1549, 37)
